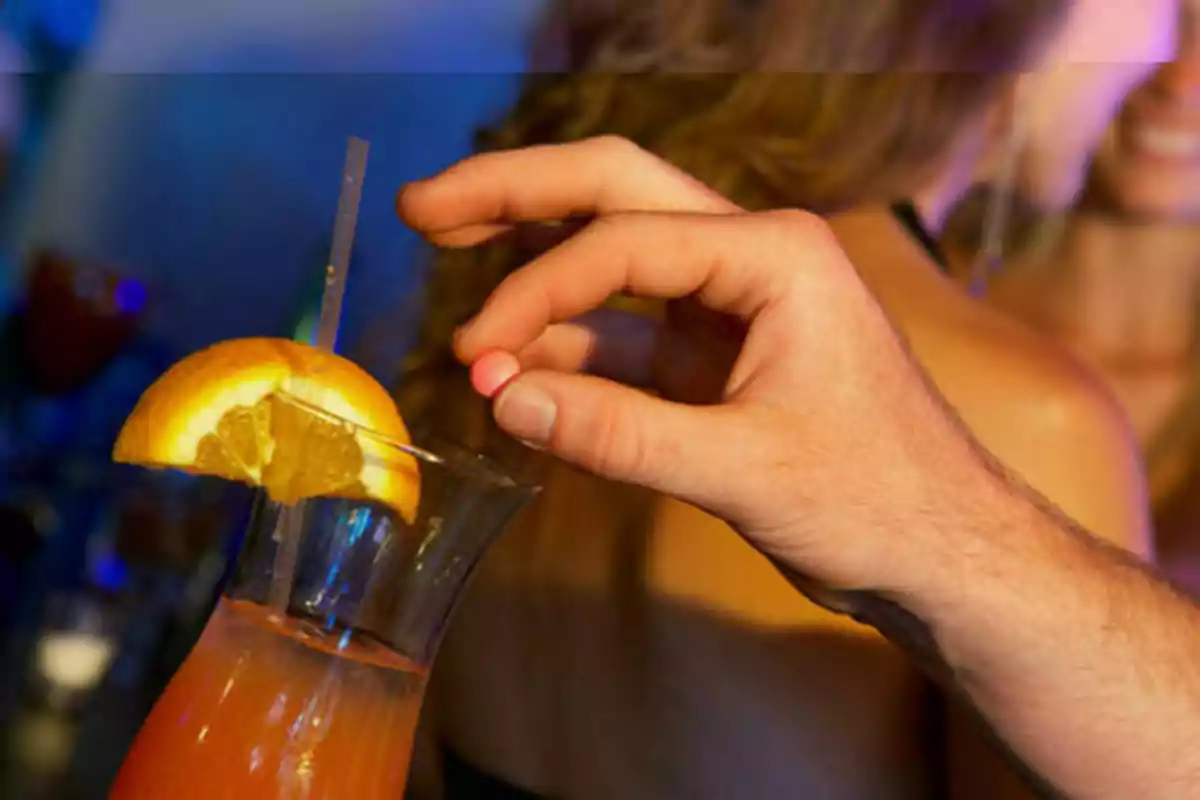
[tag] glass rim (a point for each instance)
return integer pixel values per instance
(450, 456)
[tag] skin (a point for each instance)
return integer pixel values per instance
(1081, 661)
(1137, 326)
(644, 622)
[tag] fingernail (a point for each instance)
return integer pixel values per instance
(456, 339)
(492, 372)
(527, 413)
(405, 190)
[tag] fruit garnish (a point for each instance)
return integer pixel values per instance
(296, 420)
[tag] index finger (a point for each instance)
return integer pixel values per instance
(736, 264)
(485, 195)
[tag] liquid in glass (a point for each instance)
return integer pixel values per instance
(320, 700)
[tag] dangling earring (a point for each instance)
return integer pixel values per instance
(990, 256)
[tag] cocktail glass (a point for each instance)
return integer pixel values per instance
(320, 698)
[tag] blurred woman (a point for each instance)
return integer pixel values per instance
(1121, 287)
(621, 645)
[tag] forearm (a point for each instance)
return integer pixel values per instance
(1085, 665)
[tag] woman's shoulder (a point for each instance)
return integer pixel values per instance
(1042, 413)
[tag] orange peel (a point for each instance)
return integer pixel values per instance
(244, 410)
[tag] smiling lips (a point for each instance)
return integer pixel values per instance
(1163, 142)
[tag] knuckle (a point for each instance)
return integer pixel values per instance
(616, 147)
(794, 221)
(619, 443)
(810, 240)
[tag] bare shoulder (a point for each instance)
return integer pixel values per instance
(1035, 408)
(1043, 414)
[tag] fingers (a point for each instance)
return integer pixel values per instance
(609, 343)
(483, 196)
(627, 348)
(735, 264)
(624, 434)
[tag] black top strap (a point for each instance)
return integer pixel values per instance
(910, 218)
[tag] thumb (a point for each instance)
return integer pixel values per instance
(622, 433)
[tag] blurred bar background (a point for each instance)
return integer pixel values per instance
(167, 180)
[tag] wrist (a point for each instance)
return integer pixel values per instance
(997, 553)
(944, 539)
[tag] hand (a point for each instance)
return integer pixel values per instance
(786, 404)
(688, 354)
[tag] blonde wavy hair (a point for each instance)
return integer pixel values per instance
(818, 104)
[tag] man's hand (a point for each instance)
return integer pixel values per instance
(783, 400)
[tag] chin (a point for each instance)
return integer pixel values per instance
(1053, 191)
(1146, 210)
(1141, 200)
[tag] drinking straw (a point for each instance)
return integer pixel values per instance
(290, 524)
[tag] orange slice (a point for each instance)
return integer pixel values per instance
(297, 421)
